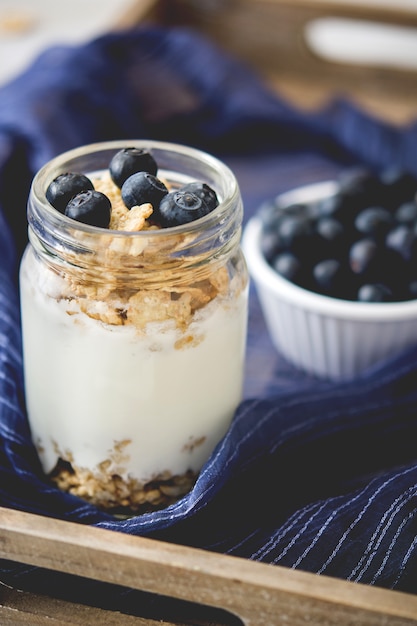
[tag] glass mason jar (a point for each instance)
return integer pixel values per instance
(133, 341)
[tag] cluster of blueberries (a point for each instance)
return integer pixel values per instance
(358, 244)
(134, 171)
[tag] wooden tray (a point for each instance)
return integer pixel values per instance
(240, 591)
(191, 586)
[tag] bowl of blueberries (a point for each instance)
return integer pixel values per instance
(335, 268)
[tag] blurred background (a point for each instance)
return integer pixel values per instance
(308, 50)
(29, 26)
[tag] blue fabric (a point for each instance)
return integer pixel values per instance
(312, 475)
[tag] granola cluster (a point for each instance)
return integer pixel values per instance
(168, 290)
(106, 488)
(120, 496)
(122, 218)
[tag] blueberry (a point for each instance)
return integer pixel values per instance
(298, 236)
(373, 222)
(412, 290)
(271, 214)
(295, 232)
(407, 212)
(203, 191)
(375, 292)
(66, 186)
(331, 206)
(375, 263)
(143, 187)
(180, 207)
(359, 181)
(363, 257)
(340, 207)
(90, 207)
(288, 266)
(359, 187)
(332, 233)
(403, 240)
(399, 186)
(333, 278)
(128, 161)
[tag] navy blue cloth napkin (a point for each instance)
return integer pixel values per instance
(312, 475)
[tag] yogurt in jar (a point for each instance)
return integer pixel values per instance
(130, 385)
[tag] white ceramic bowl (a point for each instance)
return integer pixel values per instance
(327, 337)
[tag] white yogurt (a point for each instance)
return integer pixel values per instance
(91, 386)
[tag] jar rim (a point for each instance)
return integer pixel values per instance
(57, 164)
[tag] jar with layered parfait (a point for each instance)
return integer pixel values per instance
(134, 315)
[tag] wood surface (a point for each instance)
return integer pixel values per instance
(256, 593)
(218, 590)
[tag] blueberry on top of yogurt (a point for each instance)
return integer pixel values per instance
(130, 181)
(90, 207)
(203, 191)
(64, 187)
(128, 161)
(143, 187)
(180, 207)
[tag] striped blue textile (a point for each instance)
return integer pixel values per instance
(312, 475)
